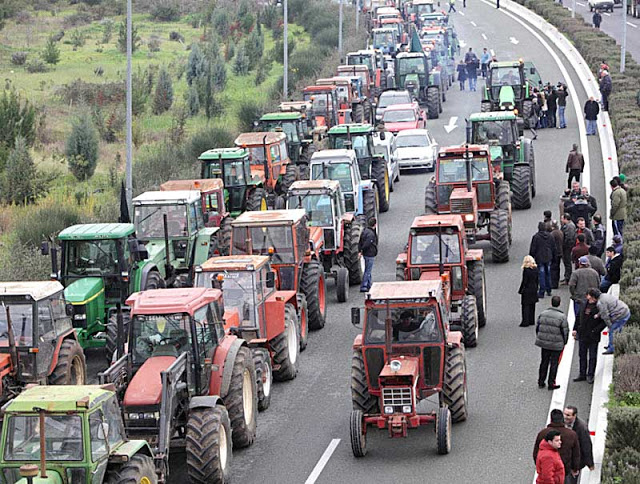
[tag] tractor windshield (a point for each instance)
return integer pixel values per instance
(424, 8)
(239, 291)
(359, 143)
(159, 335)
(149, 221)
(383, 39)
(506, 76)
(233, 174)
(340, 172)
(276, 241)
(399, 116)
(63, 438)
(494, 132)
(411, 65)
(454, 170)
(320, 101)
(414, 325)
(211, 169)
(424, 249)
(256, 155)
(91, 258)
(318, 207)
(22, 321)
(356, 60)
(290, 128)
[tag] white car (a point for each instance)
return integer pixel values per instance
(415, 148)
(601, 5)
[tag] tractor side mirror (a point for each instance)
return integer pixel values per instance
(103, 431)
(44, 248)
(355, 317)
(271, 279)
(138, 250)
(382, 136)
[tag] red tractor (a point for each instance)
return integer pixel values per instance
(274, 323)
(405, 354)
(185, 382)
(352, 107)
(437, 245)
(465, 183)
(294, 251)
(324, 105)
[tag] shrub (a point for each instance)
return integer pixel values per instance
(36, 66)
(93, 94)
(22, 263)
(248, 112)
(221, 22)
(78, 18)
(107, 30)
(241, 64)
(196, 65)
(627, 342)
(623, 429)
(219, 74)
(154, 44)
(159, 163)
(18, 58)
(163, 97)
(166, 11)
(82, 148)
(19, 177)
(51, 52)
(78, 39)
(122, 38)
(193, 101)
(207, 139)
(622, 466)
(40, 222)
(626, 375)
(254, 47)
(17, 118)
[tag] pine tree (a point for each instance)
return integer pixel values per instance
(241, 64)
(193, 101)
(197, 64)
(122, 38)
(19, 180)
(163, 97)
(51, 53)
(82, 148)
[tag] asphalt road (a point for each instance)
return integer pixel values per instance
(311, 413)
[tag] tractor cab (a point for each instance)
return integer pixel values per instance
(293, 125)
(384, 39)
(324, 104)
(507, 89)
(412, 73)
(211, 197)
(323, 202)
(396, 23)
(435, 18)
(377, 65)
(268, 156)
(349, 95)
(361, 71)
(304, 108)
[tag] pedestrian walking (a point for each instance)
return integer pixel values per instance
(606, 86)
(497, 3)
(472, 62)
(570, 449)
(568, 243)
(485, 58)
(599, 236)
(581, 249)
(571, 421)
(461, 69)
(575, 165)
(452, 6)
(464, 3)
(591, 110)
(587, 331)
(552, 105)
(618, 212)
(549, 465)
(597, 19)
(614, 269)
(582, 279)
(543, 250)
(368, 247)
(613, 312)
(528, 291)
(557, 236)
(561, 94)
(552, 333)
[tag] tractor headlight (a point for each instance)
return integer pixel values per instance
(79, 317)
(468, 217)
(388, 410)
(406, 409)
(395, 365)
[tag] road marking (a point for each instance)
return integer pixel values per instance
(463, 44)
(461, 13)
(513, 40)
(473, 23)
(632, 25)
(607, 14)
(493, 53)
(313, 477)
(484, 37)
(581, 4)
(452, 124)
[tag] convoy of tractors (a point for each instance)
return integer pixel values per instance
(210, 294)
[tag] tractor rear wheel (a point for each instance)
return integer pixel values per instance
(381, 177)
(264, 377)
(485, 106)
(443, 430)
(370, 205)
(400, 268)
(530, 158)
(286, 347)
(527, 108)
(111, 331)
(433, 103)
(242, 399)
(71, 368)
(477, 286)
(342, 284)
(225, 236)
(290, 175)
(469, 321)
(454, 386)
(503, 196)
(361, 399)
(358, 436)
(430, 201)
(521, 187)
(312, 285)
(368, 111)
(350, 252)
(208, 446)
(139, 468)
(357, 113)
(257, 200)
(499, 232)
(303, 321)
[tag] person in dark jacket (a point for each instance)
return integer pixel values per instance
(570, 449)
(528, 291)
(568, 242)
(461, 69)
(368, 247)
(579, 250)
(582, 279)
(562, 95)
(587, 331)
(596, 19)
(591, 200)
(571, 421)
(613, 267)
(543, 250)
(591, 110)
(552, 106)
(556, 235)
(606, 86)
(472, 72)
(581, 209)
(596, 263)
(552, 334)
(575, 165)
(599, 235)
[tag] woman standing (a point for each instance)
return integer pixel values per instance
(462, 73)
(529, 291)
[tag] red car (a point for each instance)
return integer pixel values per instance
(399, 117)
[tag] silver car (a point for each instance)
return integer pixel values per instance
(389, 98)
(415, 148)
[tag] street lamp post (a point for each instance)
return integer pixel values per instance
(623, 48)
(129, 171)
(573, 9)
(340, 31)
(285, 79)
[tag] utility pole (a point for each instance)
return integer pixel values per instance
(340, 32)
(357, 15)
(623, 49)
(573, 9)
(285, 79)
(129, 171)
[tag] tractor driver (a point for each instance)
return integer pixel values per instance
(427, 250)
(406, 323)
(163, 334)
(510, 79)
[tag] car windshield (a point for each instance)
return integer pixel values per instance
(424, 249)
(358, 143)
(63, 438)
(276, 241)
(149, 221)
(234, 175)
(340, 172)
(159, 335)
(22, 321)
(411, 141)
(408, 325)
(493, 132)
(411, 65)
(91, 257)
(451, 170)
(389, 99)
(399, 116)
(505, 76)
(318, 207)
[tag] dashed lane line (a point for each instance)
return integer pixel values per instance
(484, 37)
(317, 470)
(473, 23)
(632, 25)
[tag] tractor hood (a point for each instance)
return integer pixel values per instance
(145, 387)
(407, 374)
(507, 98)
(53, 477)
(155, 248)
(82, 291)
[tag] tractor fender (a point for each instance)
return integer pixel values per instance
(357, 342)
(221, 371)
(274, 309)
(454, 338)
(129, 449)
(144, 274)
(316, 239)
(348, 218)
(204, 401)
(402, 258)
(436, 79)
(474, 255)
(203, 240)
(521, 163)
(70, 334)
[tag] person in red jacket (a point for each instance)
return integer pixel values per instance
(549, 465)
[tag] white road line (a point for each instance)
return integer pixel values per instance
(581, 4)
(493, 54)
(484, 37)
(313, 477)
(607, 14)
(473, 23)
(461, 13)
(632, 25)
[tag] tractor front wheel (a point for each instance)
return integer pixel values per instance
(257, 200)
(499, 233)
(477, 286)
(433, 103)
(286, 347)
(139, 468)
(208, 446)
(71, 368)
(361, 399)
(342, 284)
(264, 377)
(443, 430)
(485, 106)
(242, 399)
(521, 187)
(400, 268)
(469, 321)
(358, 435)
(381, 177)
(350, 252)
(303, 321)
(312, 285)
(430, 201)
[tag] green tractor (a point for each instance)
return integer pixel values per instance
(507, 89)
(413, 73)
(81, 430)
(511, 152)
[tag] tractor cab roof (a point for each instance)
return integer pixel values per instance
(299, 106)
(423, 2)
(493, 116)
(476, 150)
(203, 185)
(169, 301)
(435, 221)
(384, 30)
(36, 290)
(352, 68)
(269, 217)
(315, 88)
(235, 263)
(315, 185)
(410, 55)
(58, 399)
(282, 116)
(96, 231)
(177, 197)
(515, 64)
(334, 156)
(260, 138)
(353, 128)
(224, 154)
(335, 81)
(404, 291)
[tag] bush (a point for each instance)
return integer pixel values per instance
(627, 342)
(248, 112)
(41, 222)
(626, 376)
(77, 39)
(18, 120)
(161, 162)
(82, 148)
(78, 18)
(193, 101)
(92, 94)
(167, 11)
(22, 263)
(254, 47)
(36, 66)
(107, 30)
(18, 58)
(19, 178)
(208, 139)
(51, 52)
(122, 38)
(621, 466)
(154, 44)
(623, 428)
(163, 97)
(241, 63)
(196, 65)
(219, 74)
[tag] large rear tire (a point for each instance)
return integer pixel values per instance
(369, 205)
(225, 236)
(342, 284)
(521, 187)
(454, 388)
(430, 201)
(71, 368)
(380, 175)
(433, 103)
(208, 446)
(312, 285)
(264, 377)
(303, 321)
(499, 233)
(527, 109)
(360, 397)
(443, 430)
(138, 469)
(111, 331)
(257, 200)
(351, 254)
(357, 433)
(242, 400)
(478, 287)
(286, 347)
(530, 158)
(290, 175)
(503, 196)
(469, 321)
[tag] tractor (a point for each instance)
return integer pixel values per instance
(465, 184)
(384, 39)
(294, 252)
(243, 190)
(445, 58)
(511, 153)
(273, 323)
(370, 146)
(37, 340)
(507, 89)
(71, 435)
(183, 382)
(214, 208)
(323, 202)
(376, 63)
(352, 106)
(361, 71)
(438, 245)
(405, 354)
(413, 73)
(324, 105)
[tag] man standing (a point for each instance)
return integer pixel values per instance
(552, 105)
(591, 110)
(597, 19)
(368, 246)
(581, 228)
(613, 267)
(556, 235)
(613, 312)
(543, 250)
(581, 429)
(461, 69)
(472, 62)
(587, 331)
(599, 235)
(562, 94)
(575, 165)
(552, 333)
(618, 211)
(549, 465)
(596, 263)
(582, 279)
(606, 86)
(568, 242)
(485, 58)
(579, 250)
(570, 450)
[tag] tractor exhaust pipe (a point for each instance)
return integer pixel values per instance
(441, 264)
(265, 163)
(468, 130)
(13, 351)
(168, 268)
(120, 330)
(467, 161)
(54, 263)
